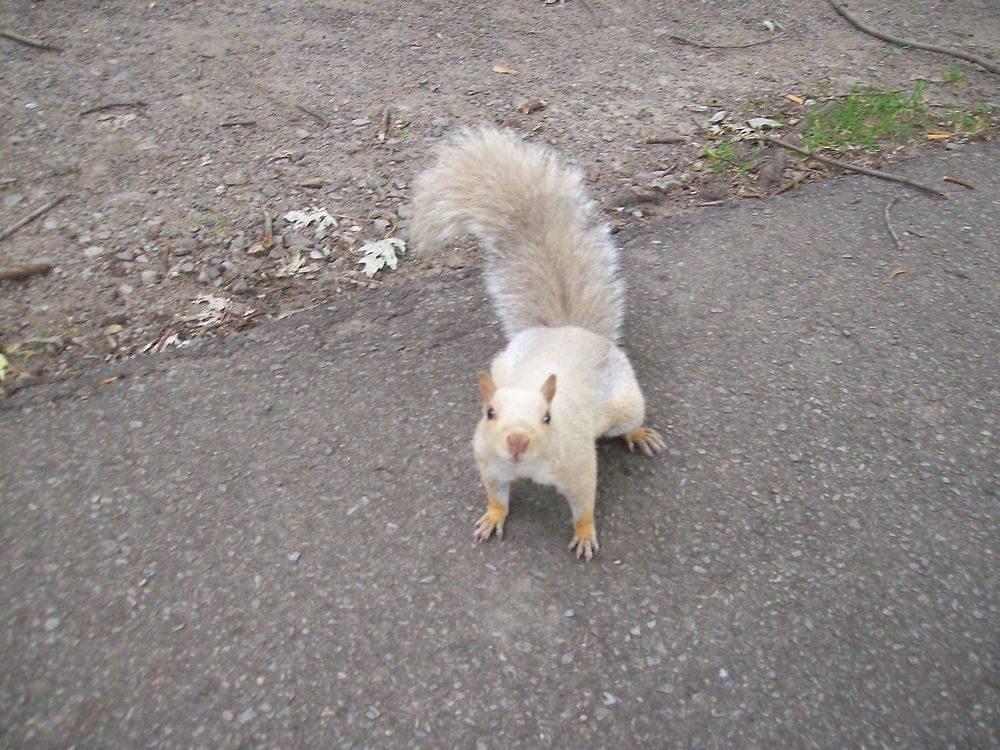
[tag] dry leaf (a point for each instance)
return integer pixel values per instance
(505, 70)
(533, 106)
(114, 328)
(897, 271)
(793, 98)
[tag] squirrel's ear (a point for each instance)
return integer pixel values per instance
(486, 387)
(549, 387)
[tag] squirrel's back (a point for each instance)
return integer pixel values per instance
(550, 261)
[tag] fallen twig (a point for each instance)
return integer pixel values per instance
(29, 41)
(315, 115)
(959, 181)
(888, 223)
(682, 40)
(792, 183)
(658, 139)
(4, 234)
(855, 168)
(989, 65)
(237, 123)
(383, 126)
(16, 273)
(110, 105)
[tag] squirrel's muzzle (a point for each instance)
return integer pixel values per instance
(517, 444)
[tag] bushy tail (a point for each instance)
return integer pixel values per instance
(550, 262)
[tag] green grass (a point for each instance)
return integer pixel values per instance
(974, 122)
(953, 77)
(868, 118)
(726, 156)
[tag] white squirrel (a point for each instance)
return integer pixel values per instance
(553, 275)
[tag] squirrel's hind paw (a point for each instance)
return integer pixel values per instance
(647, 439)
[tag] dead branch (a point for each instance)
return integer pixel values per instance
(989, 65)
(855, 168)
(29, 41)
(237, 123)
(4, 234)
(682, 40)
(16, 273)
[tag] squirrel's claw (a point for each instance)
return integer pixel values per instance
(648, 440)
(585, 547)
(488, 525)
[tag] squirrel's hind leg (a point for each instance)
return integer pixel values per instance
(625, 413)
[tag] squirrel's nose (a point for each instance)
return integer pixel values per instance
(517, 444)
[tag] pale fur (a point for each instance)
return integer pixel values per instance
(550, 261)
(552, 272)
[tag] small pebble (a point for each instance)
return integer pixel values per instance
(116, 318)
(186, 246)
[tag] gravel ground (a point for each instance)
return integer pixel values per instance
(210, 116)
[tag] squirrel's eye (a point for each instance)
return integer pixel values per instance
(490, 414)
(547, 418)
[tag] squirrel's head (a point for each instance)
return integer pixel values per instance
(516, 421)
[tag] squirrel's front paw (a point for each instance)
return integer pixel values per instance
(584, 538)
(490, 522)
(648, 440)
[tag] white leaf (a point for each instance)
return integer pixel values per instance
(380, 254)
(763, 122)
(312, 215)
(717, 117)
(214, 310)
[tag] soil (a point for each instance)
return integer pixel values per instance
(175, 127)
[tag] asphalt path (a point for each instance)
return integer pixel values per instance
(268, 542)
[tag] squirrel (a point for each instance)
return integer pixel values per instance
(552, 273)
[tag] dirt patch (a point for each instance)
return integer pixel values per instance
(175, 127)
